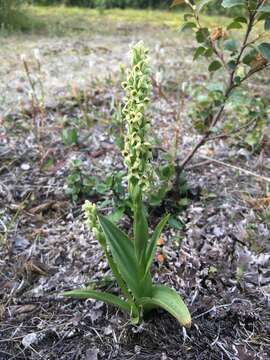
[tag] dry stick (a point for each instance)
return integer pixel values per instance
(248, 172)
(230, 87)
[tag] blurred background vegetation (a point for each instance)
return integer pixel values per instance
(20, 14)
(106, 3)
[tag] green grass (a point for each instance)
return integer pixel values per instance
(16, 20)
(60, 20)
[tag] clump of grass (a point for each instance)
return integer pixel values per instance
(14, 16)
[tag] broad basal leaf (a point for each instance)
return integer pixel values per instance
(169, 300)
(151, 249)
(98, 295)
(123, 253)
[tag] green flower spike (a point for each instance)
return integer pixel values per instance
(137, 152)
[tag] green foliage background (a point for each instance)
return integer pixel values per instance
(11, 16)
(106, 3)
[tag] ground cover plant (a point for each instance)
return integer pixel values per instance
(216, 256)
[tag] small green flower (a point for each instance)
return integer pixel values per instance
(91, 220)
(137, 152)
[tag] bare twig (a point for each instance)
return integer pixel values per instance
(248, 172)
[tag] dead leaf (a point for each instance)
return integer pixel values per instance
(259, 203)
(35, 267)
(160, 258)
(217, 33)
(258, 62)
(98, 153)
(25, 309)
(41, 207)
(161, 242)
(2, 311)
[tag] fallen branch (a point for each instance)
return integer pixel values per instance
(248, 172)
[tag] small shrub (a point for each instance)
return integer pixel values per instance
(236, 61)
(245, 118)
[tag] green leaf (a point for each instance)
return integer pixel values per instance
(151, 249)
(188, 25)
(267, 25)
(199, 52)
(264, 50)
(265, 9)
(251, 139)
(70, 136)
(249, 57)
(188, 16)
(231, 64)
(237, 80)
(117, 214)
(234, 25)
(175, 223)
(101, 188)
(98, 295)
(231, 3)
(264, 16)
(240, 19)
(202, 35)
(230, 45)
(140, 232)
(166, 171)
(214, 66)
(208, 52)
(123, 253)
(169, 300)
(201, 5)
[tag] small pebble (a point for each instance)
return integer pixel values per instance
(25, 166)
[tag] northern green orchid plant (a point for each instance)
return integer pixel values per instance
(130, 259)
